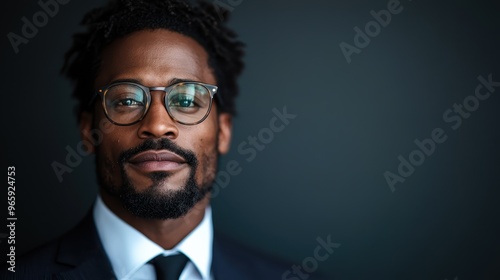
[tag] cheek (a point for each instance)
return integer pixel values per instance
(207, 165)
(108, 151)
(107, 159)
(115, 139)
(206, 151)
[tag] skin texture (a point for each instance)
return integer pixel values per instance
(156, 58)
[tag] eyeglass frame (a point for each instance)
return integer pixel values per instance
(102, 91)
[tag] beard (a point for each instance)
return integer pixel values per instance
(154, 202)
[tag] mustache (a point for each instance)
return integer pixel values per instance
(160, 144)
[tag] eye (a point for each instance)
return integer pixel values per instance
(125, 96)
(128, 102)
(182, 101)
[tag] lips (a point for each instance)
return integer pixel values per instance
(163, 160)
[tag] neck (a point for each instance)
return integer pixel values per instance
(166, 233)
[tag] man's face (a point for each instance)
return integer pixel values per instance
(157, 168)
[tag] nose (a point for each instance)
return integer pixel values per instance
(157, 122)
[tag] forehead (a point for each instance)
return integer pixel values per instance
(154, 57)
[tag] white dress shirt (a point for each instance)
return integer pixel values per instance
(129, 250)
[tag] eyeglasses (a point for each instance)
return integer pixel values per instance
(126, 103)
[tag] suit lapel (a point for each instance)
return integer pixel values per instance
(81, 248)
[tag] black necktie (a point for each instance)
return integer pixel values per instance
(170, 267)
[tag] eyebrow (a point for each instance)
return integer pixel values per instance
(169, 83)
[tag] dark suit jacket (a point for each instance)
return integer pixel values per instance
(79, 254)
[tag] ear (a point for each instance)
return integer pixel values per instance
(225, 130)
(86, 120)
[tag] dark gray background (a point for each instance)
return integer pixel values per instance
(323, 175)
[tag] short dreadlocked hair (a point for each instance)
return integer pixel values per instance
(203, 22)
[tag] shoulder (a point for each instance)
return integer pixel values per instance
(238, 253)
(233, 260)
(78, 252)
(36, 264)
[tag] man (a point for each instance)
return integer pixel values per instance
(157, 79)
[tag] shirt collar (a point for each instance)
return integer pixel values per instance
(128, 249)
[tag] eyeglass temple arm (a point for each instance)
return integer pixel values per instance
(93, 98)
(219, 99)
